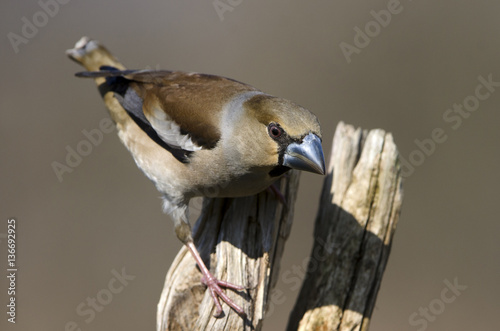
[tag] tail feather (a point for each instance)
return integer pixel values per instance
(92, 55)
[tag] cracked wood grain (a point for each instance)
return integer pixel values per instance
(357, 217)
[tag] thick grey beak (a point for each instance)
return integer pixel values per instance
(307, 156)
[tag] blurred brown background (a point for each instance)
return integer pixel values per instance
(105, 215)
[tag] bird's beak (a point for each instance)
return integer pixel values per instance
(307, 156)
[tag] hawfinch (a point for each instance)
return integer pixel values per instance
(202, 135)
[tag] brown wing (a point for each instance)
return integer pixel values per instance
(180, 111)
(190, 100)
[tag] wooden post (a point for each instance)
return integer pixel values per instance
(242, 239)
(357, 217)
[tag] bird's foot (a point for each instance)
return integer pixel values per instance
(214, 286)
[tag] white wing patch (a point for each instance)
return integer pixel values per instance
(170, 132)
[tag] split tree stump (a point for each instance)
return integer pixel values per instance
(357, 217)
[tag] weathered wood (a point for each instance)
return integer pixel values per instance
(242, 239)
(357, 217)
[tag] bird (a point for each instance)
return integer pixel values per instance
(196, 134)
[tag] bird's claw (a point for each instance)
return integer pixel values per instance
(214, 286)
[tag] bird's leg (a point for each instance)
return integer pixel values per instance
(277, 193)
(214, 285)
(183, 232)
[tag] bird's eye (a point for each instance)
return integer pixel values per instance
(274, 130)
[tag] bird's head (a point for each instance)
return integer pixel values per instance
(285, 135)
